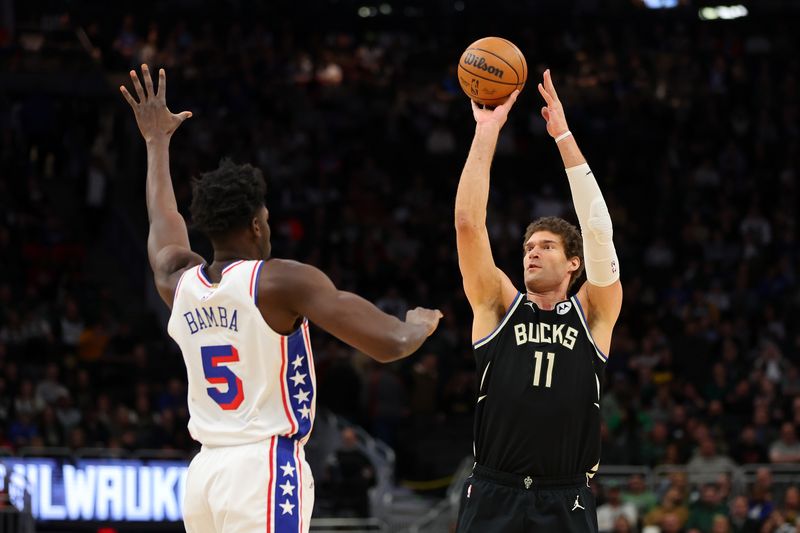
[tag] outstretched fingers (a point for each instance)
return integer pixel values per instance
(137, 86)
(131, 101)
(548, 84)
(161, 94)
(148, 80)
(547, 97)
(511, 99)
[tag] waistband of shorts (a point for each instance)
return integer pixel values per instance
(255, 443)
(519, 481)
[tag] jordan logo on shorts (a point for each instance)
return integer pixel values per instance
(577, 504)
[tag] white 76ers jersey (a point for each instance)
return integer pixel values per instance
(247, 383)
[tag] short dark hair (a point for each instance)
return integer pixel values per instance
(226, 198)
(573, 242)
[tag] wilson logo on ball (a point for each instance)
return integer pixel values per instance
(479, 62)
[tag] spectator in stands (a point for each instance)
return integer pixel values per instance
(654, 446)
(67, 414)
(787, 448)
(622, 525)
(707, 463)
(748, 450)
(386, 399)
(791, 505)
(720, 524)
(72, 325)
(27, 403)
(23, 430)
(771, 362)
(350, 474)
(639, 495)
(739, 519)
(614, 507)
(670, 523)
(672, 504)
(764, 428)
(52, 432)
(6, 401)
(702, 512)
(777, 522)
(761, 505)
(725, 486)
(424, 386)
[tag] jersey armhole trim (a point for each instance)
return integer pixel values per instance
(255, 276)
(254, 279)
(202, 276)
(477, 344)
(178, 287)
(603, 357)
(232, 266)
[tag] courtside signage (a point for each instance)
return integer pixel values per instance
(95, 489)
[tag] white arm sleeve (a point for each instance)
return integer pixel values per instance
(602, 265)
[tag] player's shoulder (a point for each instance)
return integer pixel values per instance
(287, 274)
(284, 286)
(275, 266)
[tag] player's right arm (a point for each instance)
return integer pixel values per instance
(289, 290)
(168, 240)
(488, 289)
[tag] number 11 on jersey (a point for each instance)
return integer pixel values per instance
(537, 371)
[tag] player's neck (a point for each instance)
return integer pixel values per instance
(227, 253)
(235, 247)
(547, 300)
(225, 258)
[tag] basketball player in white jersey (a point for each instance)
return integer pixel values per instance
(242, 325)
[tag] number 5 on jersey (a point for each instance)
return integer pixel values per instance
(219, 375)
(537, 370)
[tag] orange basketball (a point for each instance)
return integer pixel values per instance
(490, 69)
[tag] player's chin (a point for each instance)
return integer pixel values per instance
(534, 281)
(539, 281)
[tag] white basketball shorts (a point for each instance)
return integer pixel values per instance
(261, 487)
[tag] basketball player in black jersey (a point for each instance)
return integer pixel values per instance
(540, 354)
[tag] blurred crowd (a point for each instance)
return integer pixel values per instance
(361, 129)
(674, 504)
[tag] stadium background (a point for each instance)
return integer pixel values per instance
(353, 112)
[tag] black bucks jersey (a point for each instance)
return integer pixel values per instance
(538, 409)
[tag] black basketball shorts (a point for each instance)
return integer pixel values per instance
(497, 502)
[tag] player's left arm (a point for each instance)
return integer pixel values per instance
(601, 295)
(168, 241)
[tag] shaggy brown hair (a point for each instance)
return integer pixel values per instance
(570, 236)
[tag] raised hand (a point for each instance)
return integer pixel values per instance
(498, 115)
(155, 121)
(553, 112)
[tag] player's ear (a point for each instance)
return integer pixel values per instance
(255, 226)
(574, 264)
